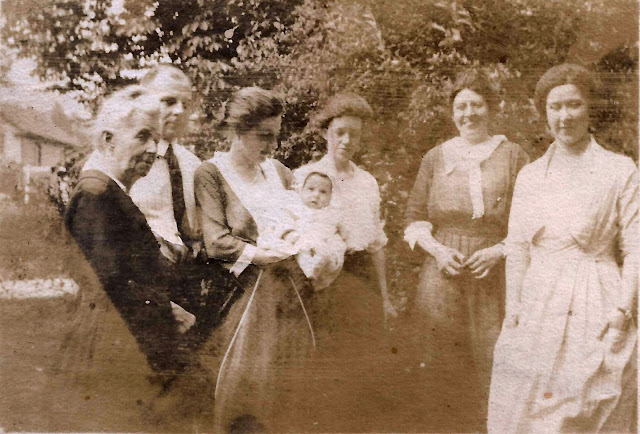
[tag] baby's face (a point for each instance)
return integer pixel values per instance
(316, 192)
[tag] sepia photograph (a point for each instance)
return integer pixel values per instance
(319, 216)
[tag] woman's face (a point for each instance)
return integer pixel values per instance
(258, 143)
(134, 149)
(343, 137)
(470, 114)
(568, 114)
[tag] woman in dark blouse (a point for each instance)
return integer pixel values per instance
(457, 213)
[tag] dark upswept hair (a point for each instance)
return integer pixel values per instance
(342, 104)
(249, 106)
(477, 82)
(559, 75)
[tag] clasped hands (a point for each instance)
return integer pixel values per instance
(177, 253)
(453, 263)
(265, 256)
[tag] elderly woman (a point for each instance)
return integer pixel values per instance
(349, 315)
(240, 194)
(457, 213)
(124, 314)
(566, 359)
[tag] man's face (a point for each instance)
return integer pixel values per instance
(174, 113)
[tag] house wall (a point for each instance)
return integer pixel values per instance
(12, 145)
(51, 155)
(30, 151)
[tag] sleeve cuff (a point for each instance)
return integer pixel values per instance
(244, 260)
(415, 231)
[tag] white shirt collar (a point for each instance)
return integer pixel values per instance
(163, 146)
(329, 166)
(459, 154)
(96, 162)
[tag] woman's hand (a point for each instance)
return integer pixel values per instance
(449, 261)
(291, 237)
(512, 316)
(482, 261)
(268, 256)
(615, 330)
(511, 320)
(174, 252)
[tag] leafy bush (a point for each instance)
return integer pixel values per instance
(402, 56)
(33, 241)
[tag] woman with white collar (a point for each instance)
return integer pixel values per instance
(457, 213)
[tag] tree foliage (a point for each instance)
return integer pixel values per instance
(401, 55)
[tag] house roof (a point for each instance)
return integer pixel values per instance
(41, 115)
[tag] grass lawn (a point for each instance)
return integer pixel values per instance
(33, 247)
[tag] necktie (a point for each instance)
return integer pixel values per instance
(177, 193)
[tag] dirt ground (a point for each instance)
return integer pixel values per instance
(31, 332)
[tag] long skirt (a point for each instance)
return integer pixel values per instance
(260, 350)
(102, 378)
(555, 371)
(455, 322)
(348, 375)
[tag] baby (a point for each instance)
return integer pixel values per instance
(312, 232)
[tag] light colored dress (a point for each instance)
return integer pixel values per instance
(553, 372)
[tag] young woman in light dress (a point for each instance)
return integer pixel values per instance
(566, 358)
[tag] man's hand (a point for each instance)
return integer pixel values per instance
(185, 319)
(176, 253)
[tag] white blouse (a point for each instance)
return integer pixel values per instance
(265, 198)
(358, 197)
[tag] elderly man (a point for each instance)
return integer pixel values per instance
(166, 198)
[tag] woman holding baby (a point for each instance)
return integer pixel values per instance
(241, 195)
(309, 266)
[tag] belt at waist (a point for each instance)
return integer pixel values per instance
(573, 252)
(480, 231)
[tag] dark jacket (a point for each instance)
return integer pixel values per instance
(115, 238)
